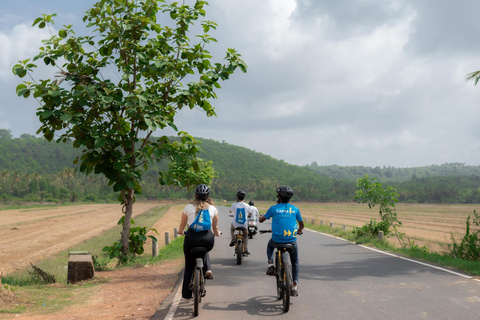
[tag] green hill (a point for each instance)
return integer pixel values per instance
(32, 169)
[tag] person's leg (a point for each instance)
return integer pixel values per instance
(270, 253)
(295, 263)
(189, 264)
(207, 241)
(232, 234)
(245, 239)
(295, 267)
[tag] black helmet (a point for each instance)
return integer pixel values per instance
(285, 192)
(241, 194)
(202, 191)
(251, 203)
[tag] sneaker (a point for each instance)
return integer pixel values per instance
(271, 271)
(246, 253)
(232, 243)
(209, 275)
(295, 291)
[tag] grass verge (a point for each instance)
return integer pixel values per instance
(413, 251)
(19, 294)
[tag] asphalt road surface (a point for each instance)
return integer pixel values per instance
(338, 280)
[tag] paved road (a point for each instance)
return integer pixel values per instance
(338, 280)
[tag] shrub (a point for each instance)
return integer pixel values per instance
(100, 264)
(136, 241)
(469, 247)
(372, 228)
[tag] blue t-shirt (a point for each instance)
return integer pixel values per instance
(284, 222)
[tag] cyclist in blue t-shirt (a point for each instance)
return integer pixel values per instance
(286, 224)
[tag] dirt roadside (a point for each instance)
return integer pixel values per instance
(128, 293)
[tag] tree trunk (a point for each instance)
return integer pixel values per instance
(126, 223)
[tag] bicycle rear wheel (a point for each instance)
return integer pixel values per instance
(196, 291)
(239, 252)
(278, 278)
(287, 280)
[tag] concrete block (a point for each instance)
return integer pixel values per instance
(80, 266)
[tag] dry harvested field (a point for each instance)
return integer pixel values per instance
(430, 224)
(30, 235)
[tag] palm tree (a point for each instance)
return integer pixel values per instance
(37, 177)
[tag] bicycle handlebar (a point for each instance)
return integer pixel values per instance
(270, 231)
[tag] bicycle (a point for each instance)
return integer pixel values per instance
(197, 284)
(239, 245)
(283, 272)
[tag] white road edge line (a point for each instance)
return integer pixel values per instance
(175, 303)
(397, 256)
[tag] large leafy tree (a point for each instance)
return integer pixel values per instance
(120, 84)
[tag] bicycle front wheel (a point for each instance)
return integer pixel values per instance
(287, 280)
(196, 291)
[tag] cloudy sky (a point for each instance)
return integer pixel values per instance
(346, 82)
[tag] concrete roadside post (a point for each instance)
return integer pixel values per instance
(321, 222)
(313, 221)
(344, 227)
(154, 246)
(380, 235)
(175, 233)
(331, 224)
(167, 238)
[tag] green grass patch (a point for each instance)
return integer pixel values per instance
(171, 252)
(413, 251)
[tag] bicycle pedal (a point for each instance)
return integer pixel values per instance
(204, 292)
(190, 286)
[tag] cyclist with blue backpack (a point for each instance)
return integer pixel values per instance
(287, 222)
(202, 218)
(241, 212)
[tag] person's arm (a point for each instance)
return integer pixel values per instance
(262, 218)
(301, 225)
(216, 232)
(183, 224)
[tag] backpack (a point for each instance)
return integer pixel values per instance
(202, 221)
(240, 217)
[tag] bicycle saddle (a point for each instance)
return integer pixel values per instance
(286, 246)
(198, 249)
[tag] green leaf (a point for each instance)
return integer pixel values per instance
(66, 117)
(22, 89)
(47, 114)
(130, 184)
(99, 143)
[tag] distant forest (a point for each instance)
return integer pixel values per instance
(33, 169)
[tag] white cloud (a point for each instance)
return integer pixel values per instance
(20, 43)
